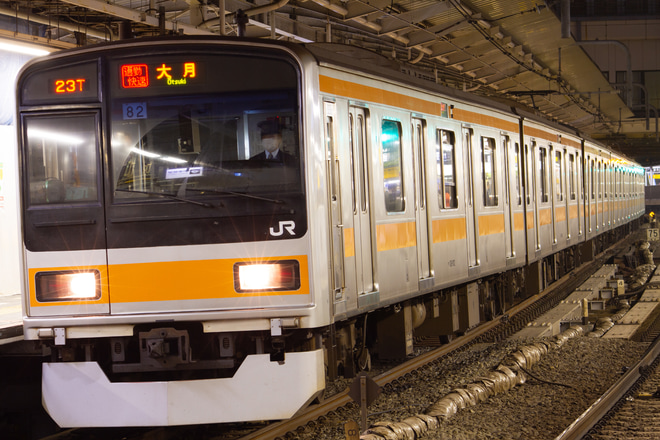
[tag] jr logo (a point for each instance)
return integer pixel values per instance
(288, 225)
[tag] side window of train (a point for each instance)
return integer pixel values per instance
(488, 171)
(543, 162)
(528, 174)
(330, 149)
(446, 168)
(593, 179)
(571, 176)
(599, 175)
(392, 166)
(516, 173)
(579, 176)
(559, 181)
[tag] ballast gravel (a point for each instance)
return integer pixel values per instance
(562, 385)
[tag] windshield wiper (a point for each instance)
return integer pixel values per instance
(170, 196)
(240, 194)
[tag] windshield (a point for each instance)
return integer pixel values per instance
(206, 127)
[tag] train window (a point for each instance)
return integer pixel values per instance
(330, 148)
(446, 167)
(606, 179)
(579, 176)
(599, 176)
(516, 173)
(528, 173)
(543, 162)
(62, 159)
(615, 181)
(593, 180)
(559, 180)
(571, 176)
(351, 141)
(362, 157)
(392, 166)
(419, 145)
(488, 171)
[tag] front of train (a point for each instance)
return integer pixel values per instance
(167, 233)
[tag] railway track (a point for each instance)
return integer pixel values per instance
(629, 408)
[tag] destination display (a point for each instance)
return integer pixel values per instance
(142, 76)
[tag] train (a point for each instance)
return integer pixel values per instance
(211, 227)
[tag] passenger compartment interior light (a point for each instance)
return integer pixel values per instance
(68, 285)
(267, 276)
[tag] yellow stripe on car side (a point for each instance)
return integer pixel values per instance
(349, 242)
(449, 230)
(560, 214)
(395, 236)
(491, 224)
(530, 220)
(545, 216)
(518, 221)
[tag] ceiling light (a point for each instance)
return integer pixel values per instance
(28, 49)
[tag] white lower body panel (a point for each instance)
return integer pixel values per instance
(78, 394)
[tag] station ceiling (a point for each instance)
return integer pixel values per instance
(510, 50)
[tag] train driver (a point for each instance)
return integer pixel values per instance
(271, 139)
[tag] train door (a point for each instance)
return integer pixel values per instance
(470, 208)
(606, 201)
(569, 192)
(363, 230)
(580, 192)
(554, 191)
(334, 195)
(421, 217)
(589, 165)
(599, 195)
(509, 187)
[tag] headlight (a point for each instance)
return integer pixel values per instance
(267, 276)
(68, 286)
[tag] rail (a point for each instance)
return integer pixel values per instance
(588, 419)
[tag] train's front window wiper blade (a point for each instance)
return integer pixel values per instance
(239, 194)
(170, 196)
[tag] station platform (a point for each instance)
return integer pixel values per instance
(11, 319)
